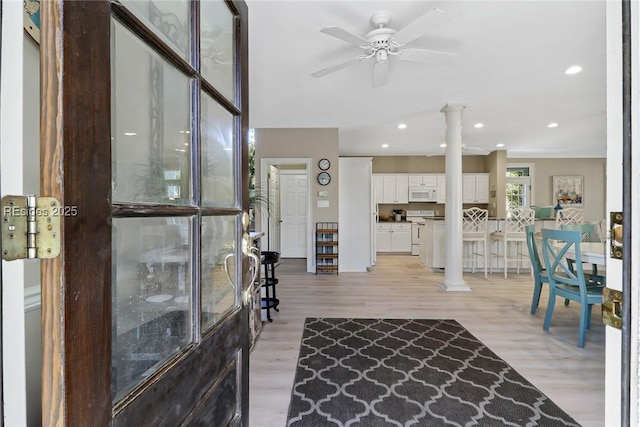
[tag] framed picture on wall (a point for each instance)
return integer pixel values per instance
(568, 190)
(32, 18)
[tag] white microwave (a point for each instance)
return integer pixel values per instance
(423, 194)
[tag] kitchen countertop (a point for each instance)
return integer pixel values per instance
(491, 218)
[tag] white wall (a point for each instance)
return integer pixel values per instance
(355, 214)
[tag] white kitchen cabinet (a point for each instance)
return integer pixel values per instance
(475, 188)
(383, 237)
(395, 189)
(401, 237)
(378, 189)
(423, 180)
(393, 237)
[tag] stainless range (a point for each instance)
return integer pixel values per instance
(416, 217)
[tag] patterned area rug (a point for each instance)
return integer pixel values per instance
(409, 372)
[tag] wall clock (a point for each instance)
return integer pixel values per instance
(324, 164)
(324, 178)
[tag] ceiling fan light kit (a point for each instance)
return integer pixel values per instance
(384, 41)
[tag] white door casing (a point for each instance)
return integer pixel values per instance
(11, 181)
(265, 164)
(274, 217)
(294, 195)
(614, 197)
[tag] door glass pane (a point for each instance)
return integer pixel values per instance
(218, 155)
(151, 125)
(169, 19)
(219, 278)
(151, 292)
(216, 46)
(516, 195)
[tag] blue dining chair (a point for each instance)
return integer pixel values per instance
(566, 282)
(589, 234)
(539, 272)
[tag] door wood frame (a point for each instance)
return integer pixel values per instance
(265, 162)
(76, 297)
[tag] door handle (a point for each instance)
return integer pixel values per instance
(251, 252)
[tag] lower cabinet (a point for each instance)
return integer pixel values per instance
(393, 237)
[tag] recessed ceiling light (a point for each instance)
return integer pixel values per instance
(385, 145)
(499, 145)
(574, 69)
(552, 125)
(478, 125)
(443, 145)
(130, 133)
(402, 126)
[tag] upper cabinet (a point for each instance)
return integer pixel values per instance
(423, 180)
(395, 189)
(475, 188)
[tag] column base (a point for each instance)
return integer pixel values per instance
(455, 287)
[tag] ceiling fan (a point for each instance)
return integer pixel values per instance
(384, 42)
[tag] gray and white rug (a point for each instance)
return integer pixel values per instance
(409, 372)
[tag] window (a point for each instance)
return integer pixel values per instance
(519, 189)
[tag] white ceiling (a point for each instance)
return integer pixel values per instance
(509, 71)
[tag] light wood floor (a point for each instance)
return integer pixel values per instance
(496, 311)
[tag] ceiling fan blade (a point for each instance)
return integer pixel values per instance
(421, 55)
(421, 25)
(345, 35)
(380, 73)
(337, 67)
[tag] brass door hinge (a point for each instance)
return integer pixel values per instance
(30, 227)
(612, 307)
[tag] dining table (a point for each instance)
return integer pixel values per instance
(591, 252)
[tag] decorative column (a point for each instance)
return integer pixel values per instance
(453, 279)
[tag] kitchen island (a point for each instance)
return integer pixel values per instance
(433, 243)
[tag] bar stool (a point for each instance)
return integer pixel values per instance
(568, 216)
(474, 232)
(514, 232)
(269, 300)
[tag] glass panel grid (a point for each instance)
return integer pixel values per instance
(219, 277)
(169, 19)
(218, 155)
(217, 47)
(151, 296)
(151, 129)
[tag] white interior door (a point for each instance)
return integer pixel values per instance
(294, 197)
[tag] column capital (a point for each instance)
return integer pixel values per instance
(453, 107)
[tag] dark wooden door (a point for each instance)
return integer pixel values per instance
(143, 129)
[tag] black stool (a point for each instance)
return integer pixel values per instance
(269, 301)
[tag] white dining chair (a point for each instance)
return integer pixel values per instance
(569, 216)
(474, 234)
(513, 234)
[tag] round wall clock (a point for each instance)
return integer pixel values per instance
(324, 178)
(324, 164)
